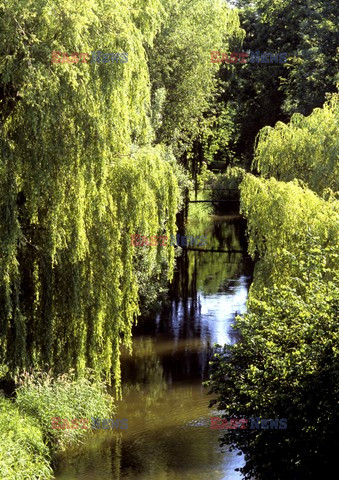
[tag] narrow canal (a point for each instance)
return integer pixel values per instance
(169, 435)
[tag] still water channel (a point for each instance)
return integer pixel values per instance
(169, 435)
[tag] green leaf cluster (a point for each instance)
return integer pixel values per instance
(23, 453)
(183, 79)
(306, 148)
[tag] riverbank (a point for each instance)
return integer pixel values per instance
(28, 443)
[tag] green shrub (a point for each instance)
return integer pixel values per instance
(44, 397)
(287, 362)
(306, 148)
(286, 366)
(23, 453)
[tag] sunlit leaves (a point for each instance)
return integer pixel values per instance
(286, 364)
(282, 218)
(77, 177)
(183, 80)
(306, 148)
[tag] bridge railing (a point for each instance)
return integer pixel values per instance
(230, 195)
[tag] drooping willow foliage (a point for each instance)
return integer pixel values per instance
(286, 365)
(77, 177)
(306, 148)
(281, 217)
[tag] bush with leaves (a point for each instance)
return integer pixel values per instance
(230, 180)
(23, 453)
(281, 216)
(306, 148)
(286, 366)
(44, 397)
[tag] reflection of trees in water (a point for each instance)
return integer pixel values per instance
(144, 371)
(191, 350)
(172, 431)
(174, 451)
(177, 406)
(154, 365)
(207, 271)
(175, 353)
(154, 454)
(149, 374)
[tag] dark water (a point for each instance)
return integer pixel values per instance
(169, 435)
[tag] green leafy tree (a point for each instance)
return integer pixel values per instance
(286, 364)
(286, 367)
(78, 176)
(280, 216)
(182, 75)
(262, 94)
(289, 151)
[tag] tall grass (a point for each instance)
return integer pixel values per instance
(23, 453)
(44, 397)
(27, 440)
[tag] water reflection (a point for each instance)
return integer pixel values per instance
(168, 436)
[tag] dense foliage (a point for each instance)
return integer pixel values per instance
(286, 366)
(27, 439)
(224, 185)
(44, 397)
(289, 151)
(309, 40)
(82, 169)
(287, 363)
(281, 216)
(23, 453)
(257, 95)
(93, 153)
(78, 177)
(183, 79)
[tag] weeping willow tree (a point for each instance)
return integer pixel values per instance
(306, 148)
(280, 218)
(77, 177)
